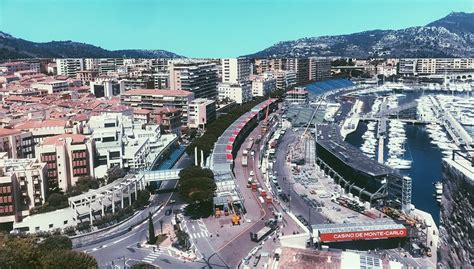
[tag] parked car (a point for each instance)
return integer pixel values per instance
(274, 180)
(279, 190)
(283, 197)
(168, 212)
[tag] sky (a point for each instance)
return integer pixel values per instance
(210, 28)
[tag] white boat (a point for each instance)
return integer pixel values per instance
(438, 191)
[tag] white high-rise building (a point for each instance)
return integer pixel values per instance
(240, 93)
(69, 66)
(235, 70)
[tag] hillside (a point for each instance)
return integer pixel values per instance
(451, 36)
(14, 48)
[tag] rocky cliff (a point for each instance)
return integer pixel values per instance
(456, 249)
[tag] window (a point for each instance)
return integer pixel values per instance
(51, 226)
(37, 228)
(65, 222)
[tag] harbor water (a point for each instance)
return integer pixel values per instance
(425, 169)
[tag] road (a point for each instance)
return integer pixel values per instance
(125, 246)
(298, 206)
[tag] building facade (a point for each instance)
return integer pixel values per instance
(16, 143)
(319, 68)
(235, 70)
(201, 112)
(240, 93)
(198, 77)
(68, 158)
(69, 66)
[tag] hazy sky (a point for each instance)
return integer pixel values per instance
(210, 28)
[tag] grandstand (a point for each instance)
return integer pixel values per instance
(320, 87)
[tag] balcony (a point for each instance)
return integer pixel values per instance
(36, 181)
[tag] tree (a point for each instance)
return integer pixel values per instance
(143, 197)
(114, 173)
(68, 259)
(18, 253)
(195, 190)
(151, 230)
(195, 171)
(55, 242)
(57, 200)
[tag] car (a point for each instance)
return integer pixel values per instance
(252, 173)
(279, 190)
(172, 201)
(168, 212)
(274, 180)
(283, 197)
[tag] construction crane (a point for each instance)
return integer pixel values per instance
(306, 137)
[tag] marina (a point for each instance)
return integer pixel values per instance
(418, 131)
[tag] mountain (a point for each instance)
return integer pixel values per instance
(15, 48)
(451, 36)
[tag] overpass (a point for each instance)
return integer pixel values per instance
(160, 175)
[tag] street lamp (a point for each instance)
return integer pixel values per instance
(161, 225)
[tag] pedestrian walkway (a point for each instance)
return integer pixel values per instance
(150, 258)
(196, 229)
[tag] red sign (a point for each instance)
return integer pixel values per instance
(363, 235)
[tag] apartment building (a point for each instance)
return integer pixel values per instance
(198, 77)
(16, 143)
(201, 112)
(52, 86)
(46, 128)
(107, 131)
(69, 66)
(106, 87)
(161, 80)
(12, 67)
(301, 67)
(169, 119)
(23, 185)
(432, 66)
(110, 64)
(153, 99)
(68, 157)
(86, 76)
(240, 93)
(9, 198)
(235, 70)
(137, 83)
(285, 79)
(262, 86)
(319, 68)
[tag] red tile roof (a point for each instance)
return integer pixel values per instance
(5, 132)
(32, 124)
(59, 139)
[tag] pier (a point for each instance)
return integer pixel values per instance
(381, 147)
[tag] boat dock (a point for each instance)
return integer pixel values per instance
(380, 152)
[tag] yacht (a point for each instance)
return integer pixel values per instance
(438, 191)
